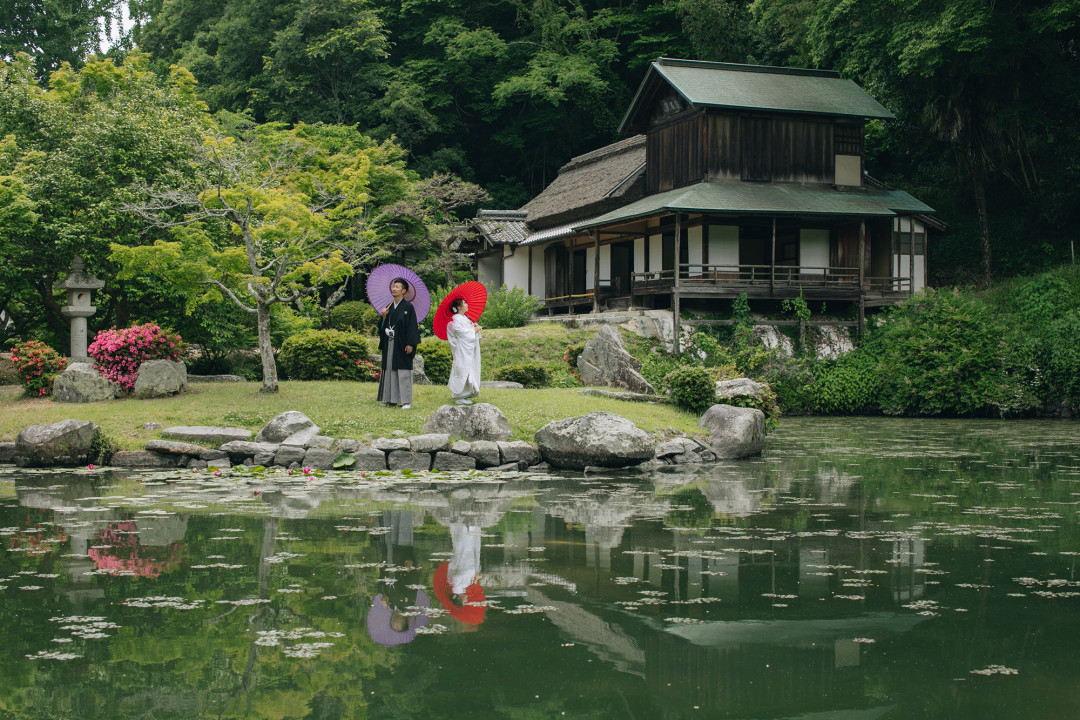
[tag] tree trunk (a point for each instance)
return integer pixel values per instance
(266, 349)
(978, 182)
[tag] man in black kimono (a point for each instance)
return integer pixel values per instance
(399, 335)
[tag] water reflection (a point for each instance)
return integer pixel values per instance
(882, 569)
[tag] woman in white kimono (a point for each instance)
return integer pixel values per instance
(464, 337)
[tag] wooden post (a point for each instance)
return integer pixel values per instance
(570, 281)
(678, 249)
(596, 272)
(894, 257)
(911, 255)
(772, 260)
(677, 330)
(529, 284)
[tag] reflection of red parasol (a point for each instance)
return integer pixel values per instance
(474, 293)
(379, 617)
(472, 612)
(378, 289)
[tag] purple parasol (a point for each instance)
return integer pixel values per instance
(378, 289)
(379, 616)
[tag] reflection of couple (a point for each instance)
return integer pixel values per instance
(457, 583)
(397, 613)
(395, 616)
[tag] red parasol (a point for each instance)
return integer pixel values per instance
(382, 277)
(474, 293)
(472, 612)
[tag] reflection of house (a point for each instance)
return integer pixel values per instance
(734, 179)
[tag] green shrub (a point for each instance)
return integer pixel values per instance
(766, 403)
(656, 365)
(573, 352)
(102, 448)
(8, 374)
(848, 385)
(944, 353)
(438, 359)
(355, 316)
(324, 355)
(38, 365)
(509, 308)
(531, 375)
(692, 388)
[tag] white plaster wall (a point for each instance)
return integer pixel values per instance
(639, 254)
(900, 263)
(848, 170)
(814, 250)
(488, 270)
(590, 264)
(693, 242)
(538, 275)
(724, 247)
(656, 252)
(605, 262)
(516, 269)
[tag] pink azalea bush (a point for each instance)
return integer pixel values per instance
(118, 353)
(38, 364)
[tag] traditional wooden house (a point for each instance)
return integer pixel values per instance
(733, 179)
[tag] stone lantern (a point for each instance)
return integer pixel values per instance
(79, 285)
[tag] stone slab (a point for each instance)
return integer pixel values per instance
(449, 461)
(205, 433)
(143, 459)
(402, 460)
(175, 447)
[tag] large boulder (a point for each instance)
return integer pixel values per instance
(734, 432)
(737, 388)
(604, 361)
(64, 443)
(160, 378)
(482, 421)
(292, 426)
(599, 438)
(82, 383)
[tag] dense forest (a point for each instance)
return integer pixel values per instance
(280, 147)
(986, 94)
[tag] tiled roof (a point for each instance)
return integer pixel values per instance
(774, 199)
(502, 227)
(757, 87)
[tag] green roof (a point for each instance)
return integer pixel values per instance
(759, 87)
(757, 198)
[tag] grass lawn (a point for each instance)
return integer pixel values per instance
(341, 409)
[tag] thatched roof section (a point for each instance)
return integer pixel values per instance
(591, 184)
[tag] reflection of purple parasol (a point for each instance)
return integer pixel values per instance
(379, 617)
(378, 289)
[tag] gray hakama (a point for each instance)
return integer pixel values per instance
(395, 386)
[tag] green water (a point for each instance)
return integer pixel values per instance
(861, 568)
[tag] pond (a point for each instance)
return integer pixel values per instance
(861, 568)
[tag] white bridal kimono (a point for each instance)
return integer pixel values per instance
(465, 344)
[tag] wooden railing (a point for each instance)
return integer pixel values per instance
(697, 275)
